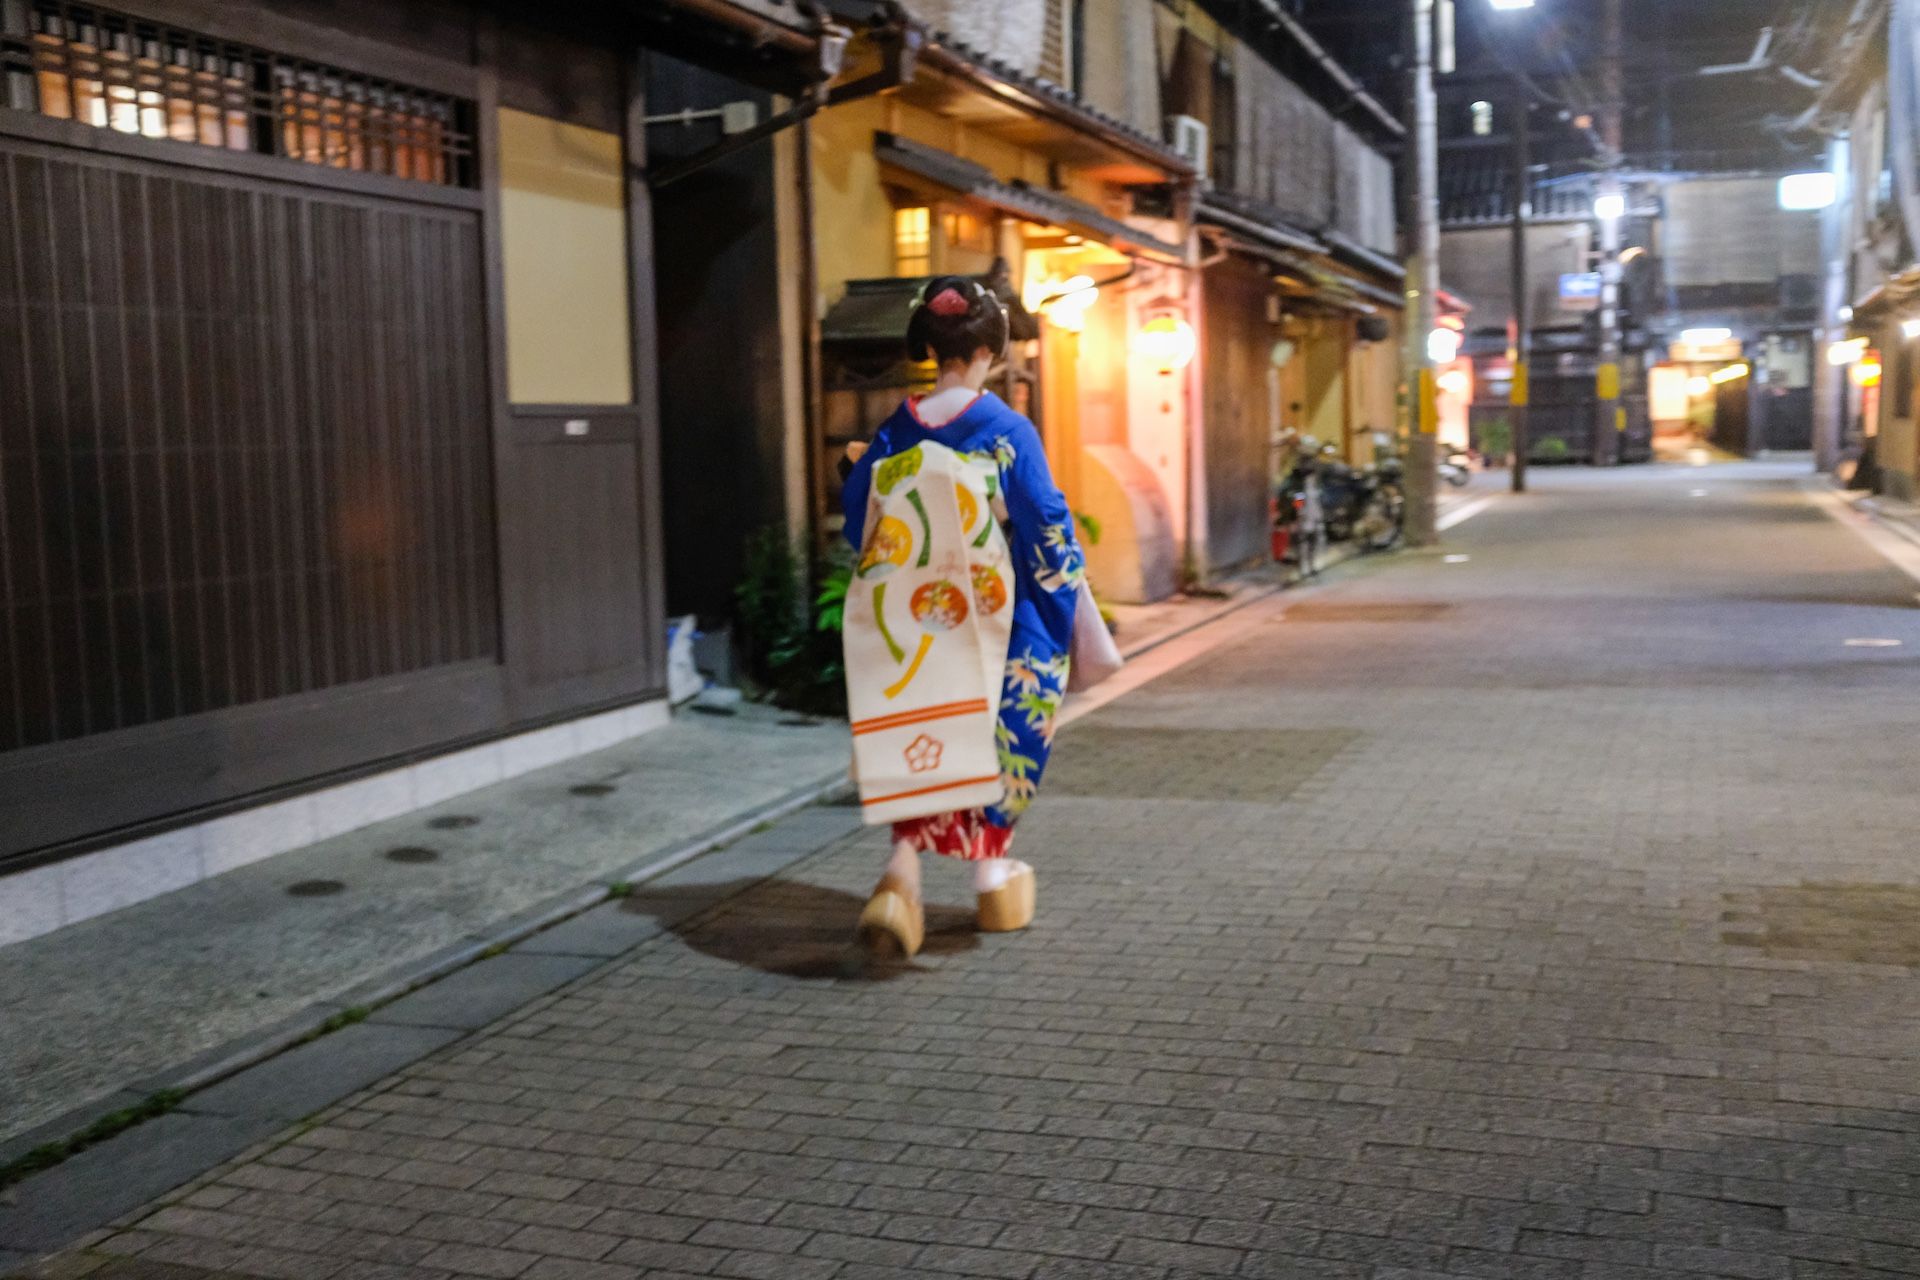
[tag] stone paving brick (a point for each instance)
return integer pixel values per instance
(576, 1269)
(479, 1260)
(1551, 935)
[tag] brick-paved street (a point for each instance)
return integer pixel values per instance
(1547, 914)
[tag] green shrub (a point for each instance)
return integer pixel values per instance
(790, 627)
(1496, 437)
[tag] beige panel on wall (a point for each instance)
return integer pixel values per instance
(563, 217)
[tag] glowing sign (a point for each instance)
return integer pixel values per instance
(1803, 192)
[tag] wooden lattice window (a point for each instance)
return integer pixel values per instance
(913, 241)
(1056, 43)
(112, 71)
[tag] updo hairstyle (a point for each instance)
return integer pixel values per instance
(956, 316)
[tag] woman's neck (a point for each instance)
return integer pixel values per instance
(973, 378)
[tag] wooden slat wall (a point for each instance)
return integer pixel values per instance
(244, 443)
(1239, 343)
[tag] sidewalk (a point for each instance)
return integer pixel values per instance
(1142, 626)
(110, 1010)
(1896, 515)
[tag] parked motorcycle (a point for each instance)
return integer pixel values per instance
(1457, 469)
(1366, 505)
(1323, 499)
(1383, 515)
(1299, 516)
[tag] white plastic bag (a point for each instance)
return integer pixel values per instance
(1095, 656)
(684, 680)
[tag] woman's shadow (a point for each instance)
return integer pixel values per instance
(791, 928)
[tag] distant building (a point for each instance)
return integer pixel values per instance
(1869, 405)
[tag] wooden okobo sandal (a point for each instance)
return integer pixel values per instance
(893, 923)
(1010, 907)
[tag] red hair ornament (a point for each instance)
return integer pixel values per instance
(948, 302)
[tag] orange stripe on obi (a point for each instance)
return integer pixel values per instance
(927, 791)
(943, 712)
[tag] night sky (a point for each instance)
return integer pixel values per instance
(1673, 111)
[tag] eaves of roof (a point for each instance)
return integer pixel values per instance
(1050, 207)
(1268, 230)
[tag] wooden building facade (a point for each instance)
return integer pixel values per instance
(329, 437)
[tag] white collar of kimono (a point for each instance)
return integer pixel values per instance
(941, 407)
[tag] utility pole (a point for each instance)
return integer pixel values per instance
(1610, 207)
(1423, 284)
(1520, 356)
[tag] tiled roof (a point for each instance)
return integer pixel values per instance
(1256, 220)
(1353, 253)
(1067, 101)
(1238, 214)
(873, 311)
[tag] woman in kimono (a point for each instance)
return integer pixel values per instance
(963, 326)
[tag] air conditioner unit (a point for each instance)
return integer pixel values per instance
(1188, 137)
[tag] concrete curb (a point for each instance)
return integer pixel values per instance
(1879, 511)
(1341, 554)
(223, 1061)
(1888, 533)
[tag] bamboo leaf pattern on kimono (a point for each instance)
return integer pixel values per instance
(1019, 774)
(1029, 709)
(1057, 562)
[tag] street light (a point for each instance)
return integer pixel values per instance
(1520, 350)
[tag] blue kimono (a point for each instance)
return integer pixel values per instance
(1048, 569)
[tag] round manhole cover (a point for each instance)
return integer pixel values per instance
(316, 888)
(453, 822)
(594, 789)
(412, 854)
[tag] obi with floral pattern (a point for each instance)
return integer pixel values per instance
(1047, 569)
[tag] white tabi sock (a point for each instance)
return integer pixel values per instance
(990, 873)
(904, 865)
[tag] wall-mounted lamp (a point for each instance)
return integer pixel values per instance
(1610, 208)
(1849, 352)
(1443, 345)
(1167, 342)
(1866, 371)
(1063, 302)
(1698, 386)
(1910, 328)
